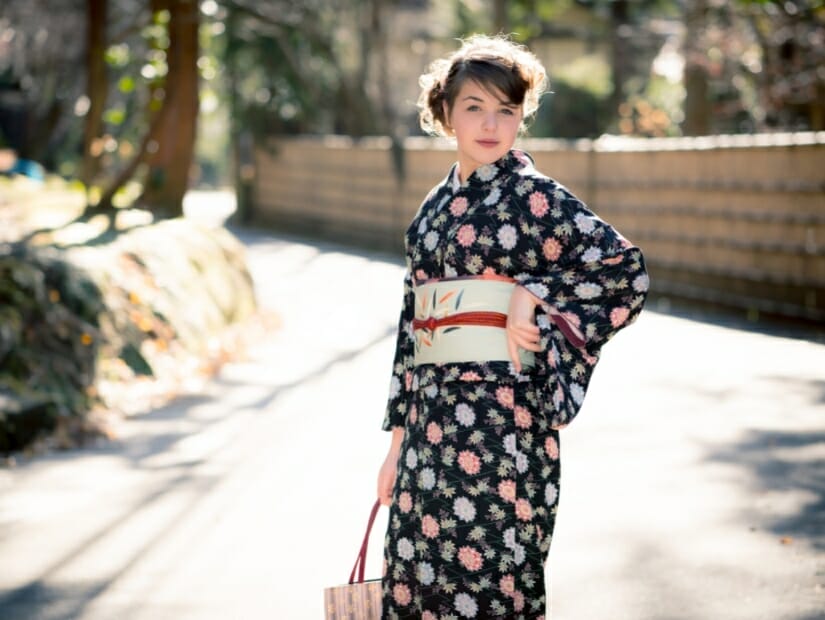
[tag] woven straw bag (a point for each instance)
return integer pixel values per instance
(357, 600)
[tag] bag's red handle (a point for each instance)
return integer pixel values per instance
(361, 560)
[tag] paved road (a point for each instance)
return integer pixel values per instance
(693, 484)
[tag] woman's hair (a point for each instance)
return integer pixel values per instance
(495, 64)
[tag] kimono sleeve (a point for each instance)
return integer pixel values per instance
(402, 366)
(592, 282)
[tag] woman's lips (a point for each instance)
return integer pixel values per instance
(487, 143)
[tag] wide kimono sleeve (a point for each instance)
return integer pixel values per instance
(402, 366)
(592, 282)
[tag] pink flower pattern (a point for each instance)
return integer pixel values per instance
(429, 526)
(470, 558)
(618, 316)
(507, 491)
(434, 433)
(538, 204)
(458, 206)
(504, 396)
(466, 236)
(401, 594)
(551, 249)
(523, 417)
(469, 462)
(524, 511)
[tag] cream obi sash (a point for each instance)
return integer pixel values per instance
(463, 320)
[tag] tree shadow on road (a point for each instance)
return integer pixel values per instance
(790, 463)
(51, 602)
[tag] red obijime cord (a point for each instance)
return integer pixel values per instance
(484, 319)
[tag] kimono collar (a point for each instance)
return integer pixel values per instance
(513, 161)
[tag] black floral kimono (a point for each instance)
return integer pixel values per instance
(477, 484)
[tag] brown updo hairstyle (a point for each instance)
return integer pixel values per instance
(495, 64)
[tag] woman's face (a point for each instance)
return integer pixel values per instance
(484, 125)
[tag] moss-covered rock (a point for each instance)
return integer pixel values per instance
(79, 324)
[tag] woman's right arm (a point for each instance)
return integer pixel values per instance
(386, 475)
(402, 365)
(395, 417)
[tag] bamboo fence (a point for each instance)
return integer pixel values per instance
(732, 220)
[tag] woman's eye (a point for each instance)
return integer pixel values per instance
(507, 111)
(473, 108)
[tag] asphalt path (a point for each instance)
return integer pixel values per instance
(693, 482)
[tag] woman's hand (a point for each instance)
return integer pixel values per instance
(522, 331)
(387, 473)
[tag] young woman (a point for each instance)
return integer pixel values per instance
(512, 288)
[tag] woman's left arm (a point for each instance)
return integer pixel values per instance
(592, 281)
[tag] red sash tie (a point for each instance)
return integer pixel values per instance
(485, 319)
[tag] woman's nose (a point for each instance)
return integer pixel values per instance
(490, 121)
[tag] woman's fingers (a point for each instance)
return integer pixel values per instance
(527, 336)
(512, 350)
(386, 481)
(522, 331)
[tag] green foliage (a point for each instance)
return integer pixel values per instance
(571, 112)
(48, 343)
(126, 84)
(118, 56)
(589, 73)
(115, 116)
(527, 17)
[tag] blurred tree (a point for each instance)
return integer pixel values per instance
(41, 61)
(310, 67)
(304, 67)
(578, 106)
(97, 86)
(126, 128)
(322, 66)
(168, 143)
(754, 65)
(501, 23)
(698, 110)
(172, 143)
(787, 64)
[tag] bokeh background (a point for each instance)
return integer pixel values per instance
(202, 205)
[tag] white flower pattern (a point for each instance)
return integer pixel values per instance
(431, 240)
(507, 237)
(405, 549)
(427, 479)
(592, 255)
(464, 509)
(465, 414)
(588, 290)
(466, 605)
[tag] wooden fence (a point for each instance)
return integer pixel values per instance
(733, 220)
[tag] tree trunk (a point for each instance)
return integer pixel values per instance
(500, 22)
(243, 165)
(97, 86)
(620, 26)
(150, 137)
(697, 100)
(172, 152)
